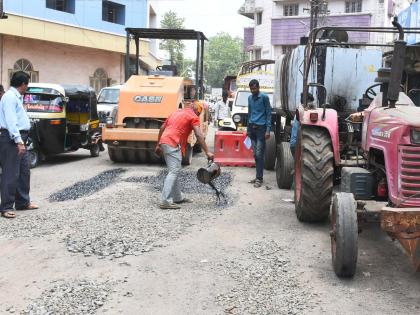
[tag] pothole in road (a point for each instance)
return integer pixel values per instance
(188, 182)
(87, 187)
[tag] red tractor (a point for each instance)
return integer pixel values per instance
(345, 160)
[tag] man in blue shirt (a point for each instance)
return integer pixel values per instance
(259, 126)
(14, 160)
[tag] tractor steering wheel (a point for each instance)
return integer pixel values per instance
(370, 92)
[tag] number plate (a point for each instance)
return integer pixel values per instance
(102, 125)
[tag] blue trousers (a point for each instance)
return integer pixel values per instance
(257, 135)
(15, 177)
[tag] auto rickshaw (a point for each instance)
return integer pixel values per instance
(64, 118)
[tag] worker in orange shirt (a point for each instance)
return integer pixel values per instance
(172, 143)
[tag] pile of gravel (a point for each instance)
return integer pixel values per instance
(76, 297)
(264, 285)
(129, 222)
(122, 220)
(87, 187)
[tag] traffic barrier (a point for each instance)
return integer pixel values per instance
(230, 150)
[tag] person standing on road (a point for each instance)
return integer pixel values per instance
(222, 108)
(259, 127)
(14, 159)
(172, 143)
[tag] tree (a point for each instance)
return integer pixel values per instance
(224, 54)
(175, 48)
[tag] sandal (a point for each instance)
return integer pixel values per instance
(8, 214)
(30, 206)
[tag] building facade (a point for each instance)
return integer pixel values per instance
(72, 41)
(279, 24)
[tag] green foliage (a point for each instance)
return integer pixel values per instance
(223, 56)
(175, 48)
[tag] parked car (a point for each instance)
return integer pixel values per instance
(107, 101)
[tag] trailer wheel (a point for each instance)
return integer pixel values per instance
(284, 166)
(94, 150)
(344, 233)
(270, 152)
(187, 159)
(33, 158)
(314, 170)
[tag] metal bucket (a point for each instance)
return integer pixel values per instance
(207, 174)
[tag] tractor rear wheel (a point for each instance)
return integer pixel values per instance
(314, 170)
(270, 152)
(284, 166)
(344, 233)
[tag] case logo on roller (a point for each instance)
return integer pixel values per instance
(148, 99)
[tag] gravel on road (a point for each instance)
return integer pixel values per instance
(75, 297)
(265, 283)
(87, 187)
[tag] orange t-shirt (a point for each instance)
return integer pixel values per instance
(178, 127)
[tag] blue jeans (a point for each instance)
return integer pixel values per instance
(257, 135)
(171, 191)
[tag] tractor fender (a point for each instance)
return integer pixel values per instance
(330, 122)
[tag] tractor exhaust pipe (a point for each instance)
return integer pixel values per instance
(397, 66)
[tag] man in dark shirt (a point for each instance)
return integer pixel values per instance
(259, 126)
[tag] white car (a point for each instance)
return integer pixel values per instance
(107, 100)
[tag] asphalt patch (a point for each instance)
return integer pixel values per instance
(187, 180)
(87, 187)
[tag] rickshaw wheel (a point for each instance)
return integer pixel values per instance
(94, 150)
(344, 234)
(33, 158)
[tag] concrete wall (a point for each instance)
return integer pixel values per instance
(59, 63)
(88, 13)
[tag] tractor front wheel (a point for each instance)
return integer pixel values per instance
(344, 233)
(314, 170)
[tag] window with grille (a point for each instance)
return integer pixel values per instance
(259, 18)
(291, 9)
(353, 6)
(26, 66)
(61, 5)
(113, 12)
(99, 80)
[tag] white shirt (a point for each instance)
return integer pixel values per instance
(13, 116)
(222, 110)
